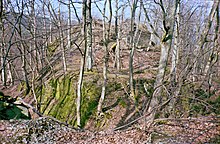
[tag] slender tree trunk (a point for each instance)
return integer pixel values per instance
(132, 45)
(24, 67)
(62, 41)
(175, 50)
(23, 53)
(89, 37)
(118, 38)
(3, 68)
(213, 57)
(106, 33)
(34, 30)
(82, 67)
(51, 37)
(44, 50)
(10, 76)
(2, 46)
(79, 92)
(99, 109)
(69, 27)
(175, 56)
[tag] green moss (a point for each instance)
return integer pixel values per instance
(123, 103)
(162, 122)
(90, 98)
(59, 97)
(23, 87)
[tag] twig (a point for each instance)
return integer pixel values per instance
(186, 119)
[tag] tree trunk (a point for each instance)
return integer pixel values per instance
(166, 42)
(213, 57)
(23, 53)
(79, 92)
(69, 26)
(62, 42)
(106, 33)
(117, 62)
(132, 45)
(175, 50)
(80, 81)
(2, 45)
(89, 36)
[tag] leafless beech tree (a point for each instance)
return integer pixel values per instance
(117, 62)
(165, 44)
(175, 49)
(106, 34)
(3, 68)
(69, 25)
(132, 46)
(89, 59)
(82, 66)
(62, 45)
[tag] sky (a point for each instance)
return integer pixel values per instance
(97, 14)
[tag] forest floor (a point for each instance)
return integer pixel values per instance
(49, 130)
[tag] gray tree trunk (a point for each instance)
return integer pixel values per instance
(106, 33)
(89, 59)
(132, 46)
(175, 50)
(69, 26)
(117, 62)
(82, 67)
(62, 41)
(2, 45)
(166, 42)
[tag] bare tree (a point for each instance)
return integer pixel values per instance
(106, 33)
(3, 67)
(175, 50)
(69, 26)
(117, 62)
(89, 59)
(23, 49)
(132, 45)
(62, 45)
(165, 44)
(82, 67)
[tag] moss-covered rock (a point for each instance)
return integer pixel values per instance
(58, 97)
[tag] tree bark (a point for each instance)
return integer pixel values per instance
(175, 50)
(82, 67)
(69, 26)
(23, 53)
(132, 45)
(2, 45)
(62, 46)
(117, 62)
(89, 59)
(165, 44)
(106, 33)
